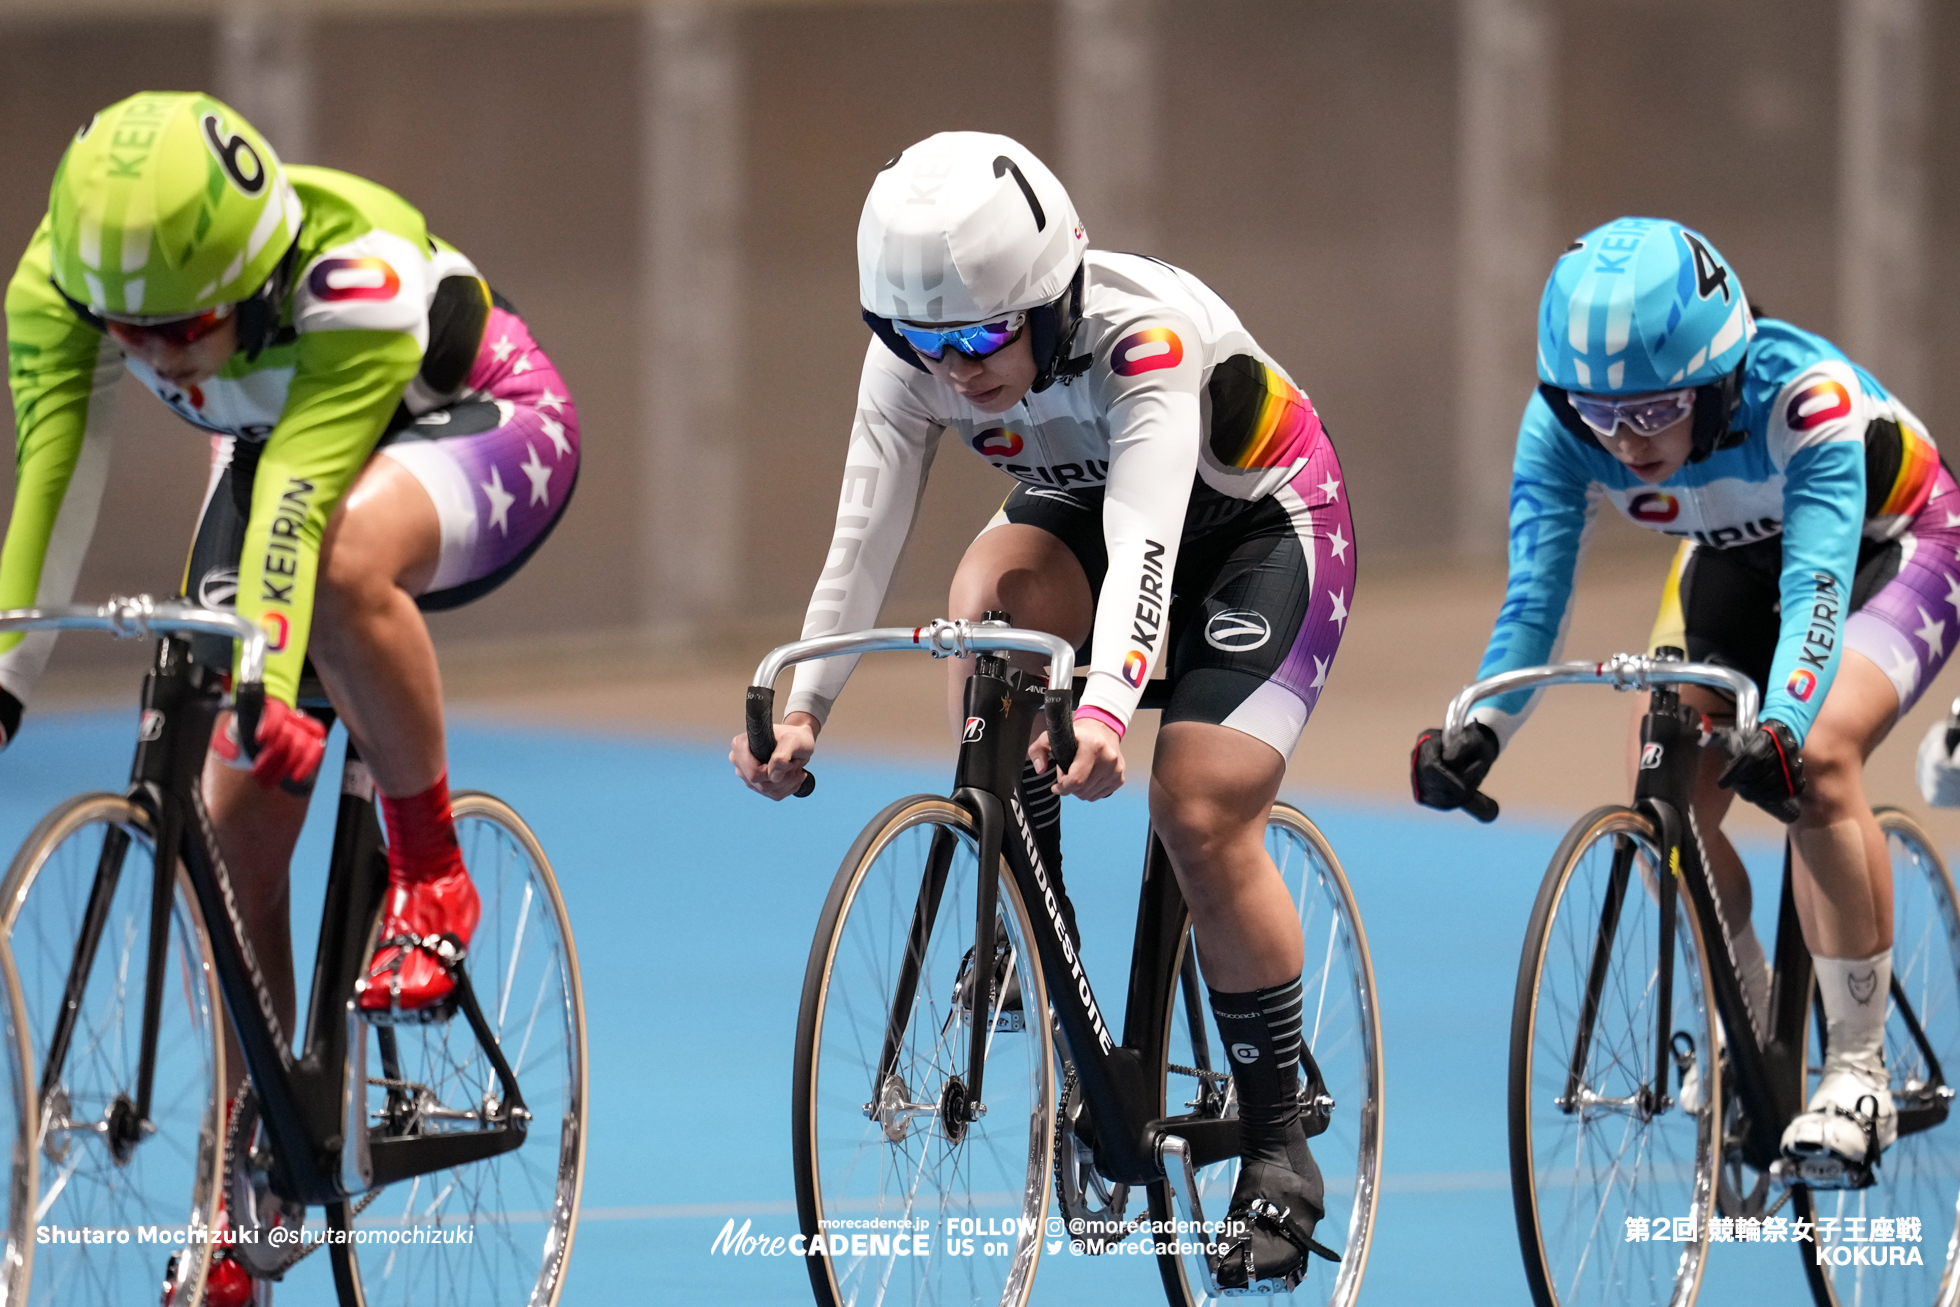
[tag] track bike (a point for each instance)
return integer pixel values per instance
(1643, 1087)
(931, 1125)
(448, 1154)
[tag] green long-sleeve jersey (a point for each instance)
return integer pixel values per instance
(353, 332)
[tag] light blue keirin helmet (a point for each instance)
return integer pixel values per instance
(1644, 304)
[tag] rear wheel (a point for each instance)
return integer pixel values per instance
(920, 1195)
(495, 1232)
(1341, 1026)
(99, 1168)
(1919, 1176)
(1599, 1149)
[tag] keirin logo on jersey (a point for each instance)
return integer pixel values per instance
(1237, 630)
(1815, 405)
(353, 279)
(997, 442)
(1146, 351)
(1653, 506)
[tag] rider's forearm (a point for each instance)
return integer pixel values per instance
(348, 386)
(1821, 532)
(884, 475)
(62, 465)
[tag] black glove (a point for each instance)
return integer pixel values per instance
(10, 710)
(1448, 778)
(1766, 768)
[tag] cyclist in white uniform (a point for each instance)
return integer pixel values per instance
(1179, 506)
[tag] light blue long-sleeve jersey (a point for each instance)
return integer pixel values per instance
(1828, 457)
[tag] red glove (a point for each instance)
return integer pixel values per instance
(288, 750)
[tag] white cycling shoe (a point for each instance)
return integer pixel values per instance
(1850, 1122)
(1688, 1098)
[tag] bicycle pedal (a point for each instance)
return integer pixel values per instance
(433, 1015)
(1267, 1288)
(1823, 1171)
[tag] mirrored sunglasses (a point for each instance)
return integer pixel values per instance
(186, 330)
(1647, 415)
(976, 341)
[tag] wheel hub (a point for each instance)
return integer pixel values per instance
(953, 1109)
(124, 1129)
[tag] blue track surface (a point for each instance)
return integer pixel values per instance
(694, 902)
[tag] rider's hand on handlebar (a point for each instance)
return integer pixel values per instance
(1766, 768)
(796, 740)
(1098, 769)
(1448, 778)
(287, 751)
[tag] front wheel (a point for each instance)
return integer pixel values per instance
(77, 911)
(1917, 1195)
(918, 1194)
(1340, 1031)
(495, 1232)
(1612, 1177)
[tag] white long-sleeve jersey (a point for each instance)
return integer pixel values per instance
(1178, 391)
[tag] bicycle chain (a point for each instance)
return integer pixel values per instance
(1215, 1077)
(232, 1156)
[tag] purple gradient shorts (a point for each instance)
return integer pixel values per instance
(1911, 623)
(499, 463)
(1261, 593)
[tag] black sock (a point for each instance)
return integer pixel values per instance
(1044, 810)
(1261, 1030)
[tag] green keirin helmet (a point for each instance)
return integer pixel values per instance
(168, 203)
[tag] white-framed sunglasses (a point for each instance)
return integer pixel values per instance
(1647, 415)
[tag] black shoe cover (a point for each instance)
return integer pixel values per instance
(1269, 1228)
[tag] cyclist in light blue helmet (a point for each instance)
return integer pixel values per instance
(1817, 555)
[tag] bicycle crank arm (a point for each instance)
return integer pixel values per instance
(399, 1158)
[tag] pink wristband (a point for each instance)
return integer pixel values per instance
(1099, 715)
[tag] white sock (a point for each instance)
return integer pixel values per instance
(1856, 993)
(1752, 969)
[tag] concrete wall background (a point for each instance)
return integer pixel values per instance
(1306, 168)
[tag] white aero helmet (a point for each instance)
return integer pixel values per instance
(965, 226)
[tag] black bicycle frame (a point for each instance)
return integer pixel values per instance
(1769, 1076)
(306, 1103)
(1002, 706)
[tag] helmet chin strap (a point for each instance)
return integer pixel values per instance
(1053, 328)
(258, 313)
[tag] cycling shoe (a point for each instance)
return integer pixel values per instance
(1268, 1232)
(1852, 1119)
(1005, 990)
(427, 923)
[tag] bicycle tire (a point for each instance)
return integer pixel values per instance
(868, 1164)
(521, 1207)
(1919, 1175)
(171, 1176)
(17, 1256)
(1342, 1029)
(1578, 1176)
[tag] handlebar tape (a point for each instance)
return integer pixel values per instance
(248, 706)
(1061, 726)
(760, 709)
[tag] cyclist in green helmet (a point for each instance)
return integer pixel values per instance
(386, 437)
